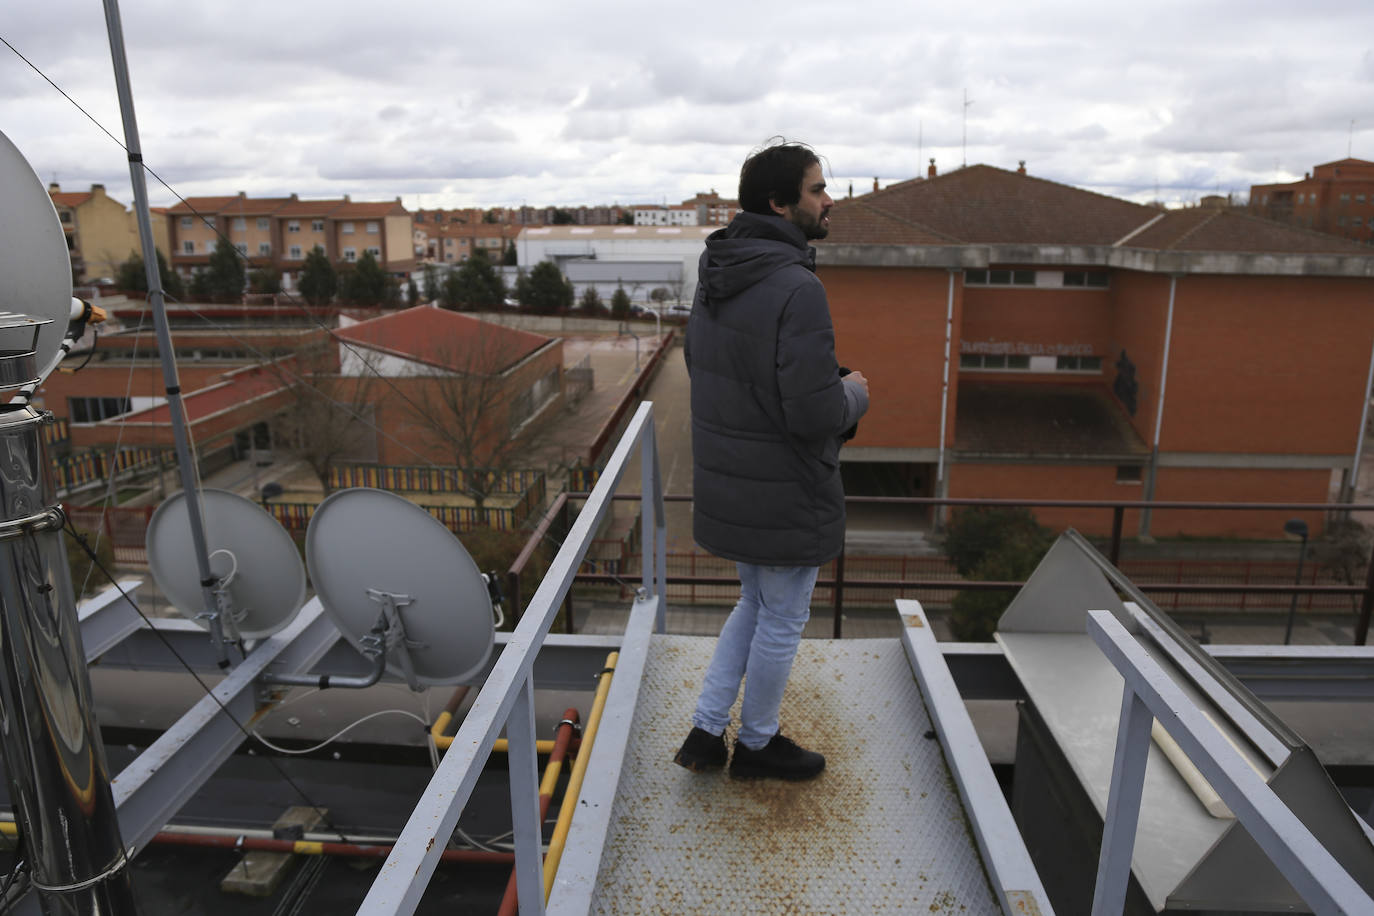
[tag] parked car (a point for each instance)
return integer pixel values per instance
(678, 310)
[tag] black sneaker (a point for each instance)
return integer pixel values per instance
(701, 751)
(780, 758)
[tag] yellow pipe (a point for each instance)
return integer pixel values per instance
(502, 746)
(579, 771)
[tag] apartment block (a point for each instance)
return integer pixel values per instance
(1337, 198)
(101, 232)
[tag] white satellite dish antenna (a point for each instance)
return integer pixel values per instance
(35, 269)
(376, 558)
(260, 580)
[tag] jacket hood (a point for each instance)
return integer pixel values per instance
(750, 248)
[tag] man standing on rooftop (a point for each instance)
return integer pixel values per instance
(769, 408)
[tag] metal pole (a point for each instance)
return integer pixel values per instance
(1159, 409)
(1354, 476)
(59, 780)
(186, 465)
(1293, 605)
(1366, 604)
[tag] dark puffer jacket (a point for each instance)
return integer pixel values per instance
(768, 403)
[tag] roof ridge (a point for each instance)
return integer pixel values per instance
(907, 222)
(1211, 217)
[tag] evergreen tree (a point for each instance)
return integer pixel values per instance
(549, 293)
(476, 285)
(509, 257)
(225, 273)
(264, 280)
(620, 304)
(995, 545)
(319, 281)
(591, 301)
(368, 284)
(132, 278)
(200, 286)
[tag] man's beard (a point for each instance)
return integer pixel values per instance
(813, 228)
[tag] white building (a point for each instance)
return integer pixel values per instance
(683, 215)
(664, 247)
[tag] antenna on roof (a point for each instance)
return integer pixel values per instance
(967, 103)
(1350, 144)
(920, 143)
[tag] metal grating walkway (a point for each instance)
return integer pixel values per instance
(881, 831)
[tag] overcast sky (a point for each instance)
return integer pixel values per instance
(460, 104)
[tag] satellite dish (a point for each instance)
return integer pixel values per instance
(261, 577)
(35, 269)
(372, 553)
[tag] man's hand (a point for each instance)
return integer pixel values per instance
(858, 377)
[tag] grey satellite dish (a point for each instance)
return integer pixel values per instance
(374, 555)
(261, 580)
(35, 269)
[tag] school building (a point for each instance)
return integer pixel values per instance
(1027, 339)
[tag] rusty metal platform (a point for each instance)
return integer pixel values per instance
(882, 830)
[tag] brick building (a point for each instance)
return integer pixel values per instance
(1028, 339)
(1337, 197)
(279, 232)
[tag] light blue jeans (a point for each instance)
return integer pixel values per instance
(756, 645)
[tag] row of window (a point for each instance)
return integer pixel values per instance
(264, 223)
(1019, 363)
(1096, 279)
(294, 253)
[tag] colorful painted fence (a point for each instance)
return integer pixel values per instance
(428, 479)
(72, 471)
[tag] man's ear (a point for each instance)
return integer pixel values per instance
(779, 209)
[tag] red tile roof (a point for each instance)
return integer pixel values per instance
(369, 209)
(991, 206)
(1043, 421)
(207, 205)
(446, 340)
(69, 198)
(1228, 229)
(255, 206)
(984, 205)
(296, 207)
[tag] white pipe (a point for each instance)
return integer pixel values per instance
(1359, 438)
(1159, 408)
(944, 385)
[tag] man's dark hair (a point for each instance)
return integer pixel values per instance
(774, 173)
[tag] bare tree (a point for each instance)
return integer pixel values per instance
(328, 416)
(486, 409)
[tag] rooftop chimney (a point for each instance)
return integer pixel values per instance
(54, 187)
(1021, 167)
(930, 172)
(875, 182)
(851, 189)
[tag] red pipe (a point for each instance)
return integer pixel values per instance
(562, 740)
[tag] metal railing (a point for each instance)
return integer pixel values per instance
(1149, 694)
(506, 701)
(840, 580)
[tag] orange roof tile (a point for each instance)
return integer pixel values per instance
(446, 340)
(206, 205)
(1232, 230)
(69, 198)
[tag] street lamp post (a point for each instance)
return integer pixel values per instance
(1297, 528)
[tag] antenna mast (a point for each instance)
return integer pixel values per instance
(967, 103)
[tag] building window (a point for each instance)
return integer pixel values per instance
(372, 228)
(264, 248)
(188, 247)
(241, 248)
(1345, 198)
(1129, 473)
(209, 221)
(1359, 198)
(93, 410)
(293, 226)
(240, 224)
(317, 225)
(374, 251)
(186, 222)
(1078, 364)
(1093, 278)
(350, 254)
(295, 252)
(994, 361)
(264, 224)
(999, 277)
(347, 228)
